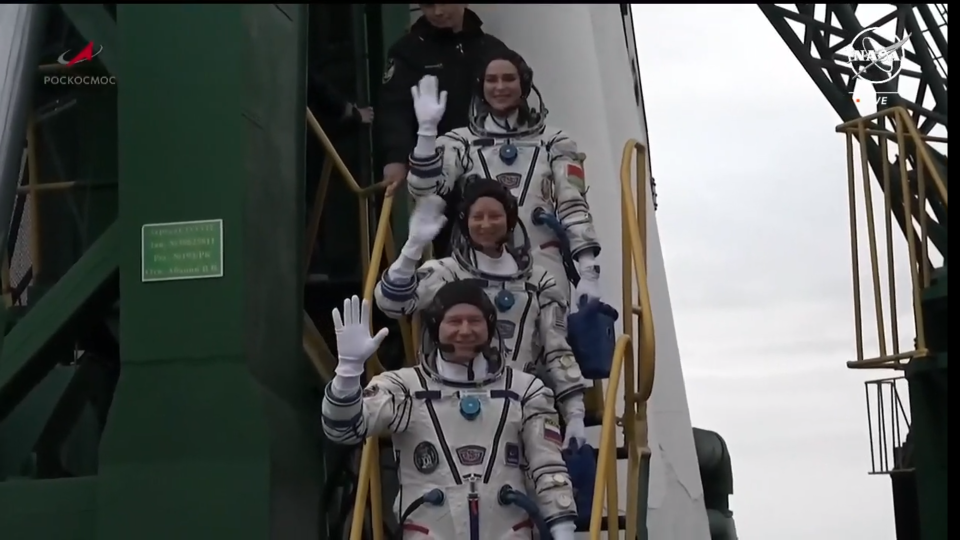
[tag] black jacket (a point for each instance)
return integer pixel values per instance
(427, 50)
(326, 100)
(323, 98)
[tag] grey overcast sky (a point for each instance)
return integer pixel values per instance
(752, 189)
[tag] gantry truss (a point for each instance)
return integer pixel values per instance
(819, 34)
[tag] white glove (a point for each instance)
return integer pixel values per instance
(564, 530)
(575, 432)
(429, 104)
(587, 287)
(354, 344)
(426, 221)
(589, 284)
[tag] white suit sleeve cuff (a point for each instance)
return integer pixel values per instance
(564, 529)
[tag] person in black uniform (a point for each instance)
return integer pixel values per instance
(448, 42)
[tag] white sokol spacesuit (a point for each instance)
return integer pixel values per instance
(462, 434)
(540, 165)
(531, 309)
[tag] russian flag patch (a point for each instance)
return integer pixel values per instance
(551, 431)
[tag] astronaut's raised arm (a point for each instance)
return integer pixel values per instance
(570, 189)
(398, 296)
(541, 446)
(435, 170)
(562, 371)
(382, 407)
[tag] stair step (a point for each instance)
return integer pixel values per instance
(622, 453)
(592, 421)
(583, 525)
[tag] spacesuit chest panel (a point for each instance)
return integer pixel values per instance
(467, 433)
(517, 311)
(528, 177)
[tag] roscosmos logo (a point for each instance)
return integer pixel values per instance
(89, 52)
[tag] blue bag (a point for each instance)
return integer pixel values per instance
(590, 331)
(592, 337)
(582, 466)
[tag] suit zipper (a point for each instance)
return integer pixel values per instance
(473, 506)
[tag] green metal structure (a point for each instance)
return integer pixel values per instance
(181, 408)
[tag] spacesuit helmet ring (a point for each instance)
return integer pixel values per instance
(524, 71)
(452, 294)
(529, 119)
(485, 187)
(516, 242)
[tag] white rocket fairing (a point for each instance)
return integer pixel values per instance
(21, 35)
(585, 65)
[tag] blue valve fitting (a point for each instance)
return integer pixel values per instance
(434, 497)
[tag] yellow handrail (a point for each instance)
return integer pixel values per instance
(371, 259)
(605, 482)
(634, 239)
(928, 177)
(637, 387)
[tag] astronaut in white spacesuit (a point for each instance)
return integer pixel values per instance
(491, 249)
(462, 423)
(508, 141)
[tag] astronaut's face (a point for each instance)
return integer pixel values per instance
(487, 222)
(463, 327)
(448, 16)
(501, 86)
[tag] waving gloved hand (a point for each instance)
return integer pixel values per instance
(429, 103)
(563, 531)
(427, 220)
(354, 343)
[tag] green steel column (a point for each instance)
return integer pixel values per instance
(212, 433)
(929, 409)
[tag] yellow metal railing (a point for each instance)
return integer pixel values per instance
(928, 179)
(317, 350)
(637, 386)
(371, 258)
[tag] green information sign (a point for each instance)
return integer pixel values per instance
(183, 250)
